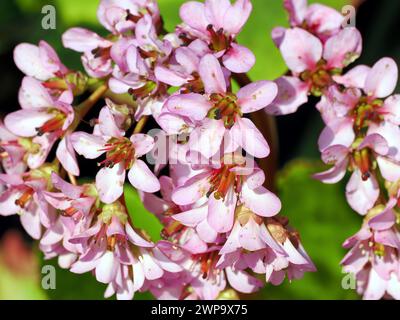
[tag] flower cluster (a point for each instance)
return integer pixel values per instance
(361, 134)
(222, 233)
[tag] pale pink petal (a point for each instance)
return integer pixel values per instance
(211, 74)
(187, 58)
(110, 183)
(382, 79)
(292, 93)
(108, 125)
(242, 282)
(333, 175)
(389, 169)
(375, 142)
(216, 10)
(66, 155)
(106, 268)
(239, 59)
(136, 239)
(142, 143)
(355, 78)
(7, 202)
(297, 11)
(193, 217)
(142, 178)
(171, 77)
(88, 145)
(261, 201)
(256, 96)
(360, 194)
(343, 48)
(32, 95)
(249, 236)
(376, 287)
(221, 212)
(193, 14)
(138, 276)
(83, 40)
(301, 50)
(25, 123)
(323, 19)
(207, 138)
(31, 223)
(236, 16)
(193, 190)
(28, 60)
(391, 109)
(252, 140)
(151, 269)
(194, 106)
(340, 132)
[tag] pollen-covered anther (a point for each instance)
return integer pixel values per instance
(54, 125)
(118, 150)
(225, 108)
(25, 198)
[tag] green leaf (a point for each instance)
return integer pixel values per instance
(142, 218)
(324, 220)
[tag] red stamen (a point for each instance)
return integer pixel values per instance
(25, 198)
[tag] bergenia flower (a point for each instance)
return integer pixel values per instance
(122, 16)
(23, 196)
(44, 118)
(96, 50)
(219, 112)
(40, 62)
(224, 188)
(374, 255)
(13, 151)
(121, 154)
(218, 22)
(313, 65)
(270, 248)
(322, 21)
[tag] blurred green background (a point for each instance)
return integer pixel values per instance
(319, 212)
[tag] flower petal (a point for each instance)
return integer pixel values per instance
(300, 50)
(110, 183)
(239, 59)
(256, 96)
(382, 79)
(211, 74)
(142, 178)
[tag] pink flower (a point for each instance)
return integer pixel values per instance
(96, 50)
(205, 278)
(269, 248)
(121, 16)
(374, 255)
(219, 112)
(362, 190)
(121, 154)
(109, 252)
(192, 239)
(313, 65)
(40, 62)
(133, 75)
(13, 152)
(44, 119)
(23, 196)
(218, 22)
(71, 201)
(320, 20)
(224, 188)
